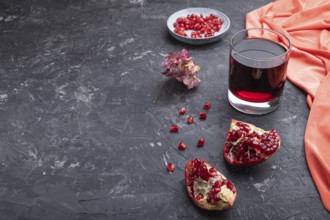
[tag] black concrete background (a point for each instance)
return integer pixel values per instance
(80, 135)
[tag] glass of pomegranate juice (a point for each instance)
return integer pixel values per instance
(257, 70)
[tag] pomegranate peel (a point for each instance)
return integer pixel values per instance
(207, 187)
(247, 144)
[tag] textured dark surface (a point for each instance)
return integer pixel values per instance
(80, 136)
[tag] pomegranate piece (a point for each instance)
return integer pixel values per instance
(201, 142)
(207, 106)
(174, 128)
(190, 120)
(202, 115)
(207, 187)
(248, 145)
(182, 146)
(182, 111)
(170, 167)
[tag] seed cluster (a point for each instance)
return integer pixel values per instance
(190, 120)
(201, 26)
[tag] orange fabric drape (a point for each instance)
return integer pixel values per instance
(307, 23)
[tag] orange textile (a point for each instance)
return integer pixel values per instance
(307, 24)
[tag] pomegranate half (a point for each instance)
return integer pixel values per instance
(248, 145)
(207, 187)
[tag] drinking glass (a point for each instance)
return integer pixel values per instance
(257, 70)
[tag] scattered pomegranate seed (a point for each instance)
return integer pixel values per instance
(190, 120)
(201, 142)
(170, 167)
(207, 105)
(202, 115)
(182, 111)
(174, 128)
(182, 146)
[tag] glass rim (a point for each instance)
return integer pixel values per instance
(263, 29)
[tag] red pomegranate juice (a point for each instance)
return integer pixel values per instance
(257, 70)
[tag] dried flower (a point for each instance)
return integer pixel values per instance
(182, 67)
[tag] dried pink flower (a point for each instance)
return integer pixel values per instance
(182, 67)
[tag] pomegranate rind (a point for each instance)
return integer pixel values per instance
(197, 186)
(260, 156)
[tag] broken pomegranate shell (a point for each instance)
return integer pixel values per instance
(207, 187)
(248, 145)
